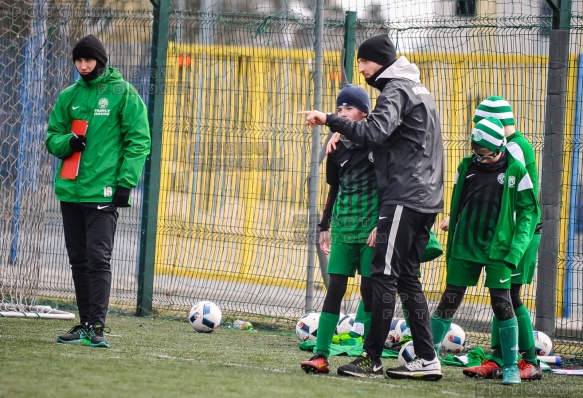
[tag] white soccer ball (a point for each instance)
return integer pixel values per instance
(406, 353)
(542, 343)
(454, 340)
(356, 327)
(391, 341)
(307, 326)
(205, 316)
(401, 330)
(344, 324)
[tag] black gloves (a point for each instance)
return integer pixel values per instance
(77, 143)
(121, 197)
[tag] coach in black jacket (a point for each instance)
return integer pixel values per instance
(404, 133)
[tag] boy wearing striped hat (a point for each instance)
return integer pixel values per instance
(519, 149)
(494, 212)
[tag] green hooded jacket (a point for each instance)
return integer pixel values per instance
(518, 216)
(118, 137)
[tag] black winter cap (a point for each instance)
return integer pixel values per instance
(379, 49)
(354, 96)
(90, 47)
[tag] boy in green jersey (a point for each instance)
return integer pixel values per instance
(350, 213)
(519, 149)
(493, 217)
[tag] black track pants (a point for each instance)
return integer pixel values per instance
(89, 235)
(402, 235)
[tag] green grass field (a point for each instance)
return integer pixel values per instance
(166, 358)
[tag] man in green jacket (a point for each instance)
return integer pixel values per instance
(494, 213)
(113, 153)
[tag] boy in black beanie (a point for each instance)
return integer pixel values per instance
(112, 155)
(404, 133)
(347, 228)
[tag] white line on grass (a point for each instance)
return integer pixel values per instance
(220, 363)
(274, 370)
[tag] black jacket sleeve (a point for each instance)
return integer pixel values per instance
(382, 122)
(332, 178)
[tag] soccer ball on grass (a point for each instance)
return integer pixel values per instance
(401, 331)
(391, 340)
(344, 324)
(542, 343)
(406, 353)
(205, 316)
(454, 340)
(307, 326)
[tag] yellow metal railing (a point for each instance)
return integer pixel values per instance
(236, 154)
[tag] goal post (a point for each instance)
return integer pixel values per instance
(8, 310)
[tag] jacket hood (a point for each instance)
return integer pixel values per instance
(110, 75)
(401, 69)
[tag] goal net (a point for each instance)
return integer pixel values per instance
(25, 166)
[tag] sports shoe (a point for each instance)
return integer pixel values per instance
(363, 366)
(418, 369)
(76, 335)
(511, 375)
(528, 371)
(95, 336)
(317, 364)
(487, 370)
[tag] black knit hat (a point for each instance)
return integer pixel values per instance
(379, 49)
(90, 47)
(355, 96)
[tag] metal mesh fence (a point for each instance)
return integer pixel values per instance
(233, 219)
(36, 39)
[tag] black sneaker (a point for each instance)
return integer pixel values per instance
(363, 366)
(76, 335)
(95, 336)
(417, 369)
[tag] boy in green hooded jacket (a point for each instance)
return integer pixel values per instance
(494, 213)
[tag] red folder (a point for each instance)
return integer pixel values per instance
(70, 167)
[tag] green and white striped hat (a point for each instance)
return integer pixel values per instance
(489, 133)
(496, 107)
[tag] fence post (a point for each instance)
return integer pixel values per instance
(349, 45)
(573, 244)
(346, 67)
(314, 158)
(161, 11)
(552, 167)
